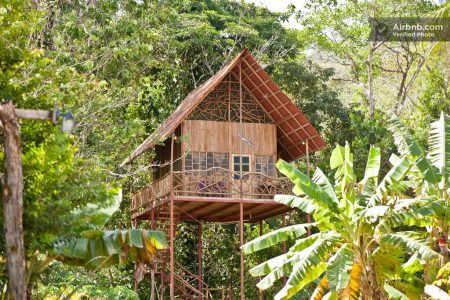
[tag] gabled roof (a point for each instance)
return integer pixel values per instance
(293, 128)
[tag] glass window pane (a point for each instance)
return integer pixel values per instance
(245, 159)
(236, 159)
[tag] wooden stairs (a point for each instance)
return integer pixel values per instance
(186, 284)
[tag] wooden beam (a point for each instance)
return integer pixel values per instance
(302, 142)
(196, 208)
(227, 217)
(274, 95)
(271, 213)
(34, 114)
(222, 209)
(287, 118)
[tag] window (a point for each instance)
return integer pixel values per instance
(237, 165)
(205, 160)
(265, 164)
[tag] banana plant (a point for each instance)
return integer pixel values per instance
(430, 173)
(356, 250)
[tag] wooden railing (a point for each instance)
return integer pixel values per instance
(152, 195)
(219, 182)
(214, 182)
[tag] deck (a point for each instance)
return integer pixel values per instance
(213, 195)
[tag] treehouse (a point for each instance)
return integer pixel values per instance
(214, 161)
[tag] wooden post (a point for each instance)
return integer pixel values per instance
(171, 230)
(12, 185)
(241, 237)
(152, 216)
(152, 288)
(162, 282)
(308, 216)
(241, 203)
(261, 292)
(283, 224)
(200, 256)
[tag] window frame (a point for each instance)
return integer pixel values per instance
(265, 164)
(236, 174)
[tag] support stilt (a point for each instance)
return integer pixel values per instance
(308, 216)
(199, 258)
(241, 204)
(283, 224)
(152, 288)
(171, 230)
(241, 235)
(261, 292)
(172, 236)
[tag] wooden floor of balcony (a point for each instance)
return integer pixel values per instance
(220, 210)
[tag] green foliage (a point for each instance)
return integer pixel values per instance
(122, 67)
(354, 219)
(61, 280)
(98, 249)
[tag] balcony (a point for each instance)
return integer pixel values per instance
(213, 184)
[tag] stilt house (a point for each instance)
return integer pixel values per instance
(217, 154)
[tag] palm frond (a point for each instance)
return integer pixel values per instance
(372, 165)
(436, 293)
(275, 237)
(304, 204)
(407, 145)
(310, 266)
(303, 185)
(339, 266)
(269, 265)
(394, 293)
(412, 244)
(439, 143)
(395, 175)
(99, 249)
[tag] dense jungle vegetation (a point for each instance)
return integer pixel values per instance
(122, 67)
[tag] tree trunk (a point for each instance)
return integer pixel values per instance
(370, 81)
(12, 187)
